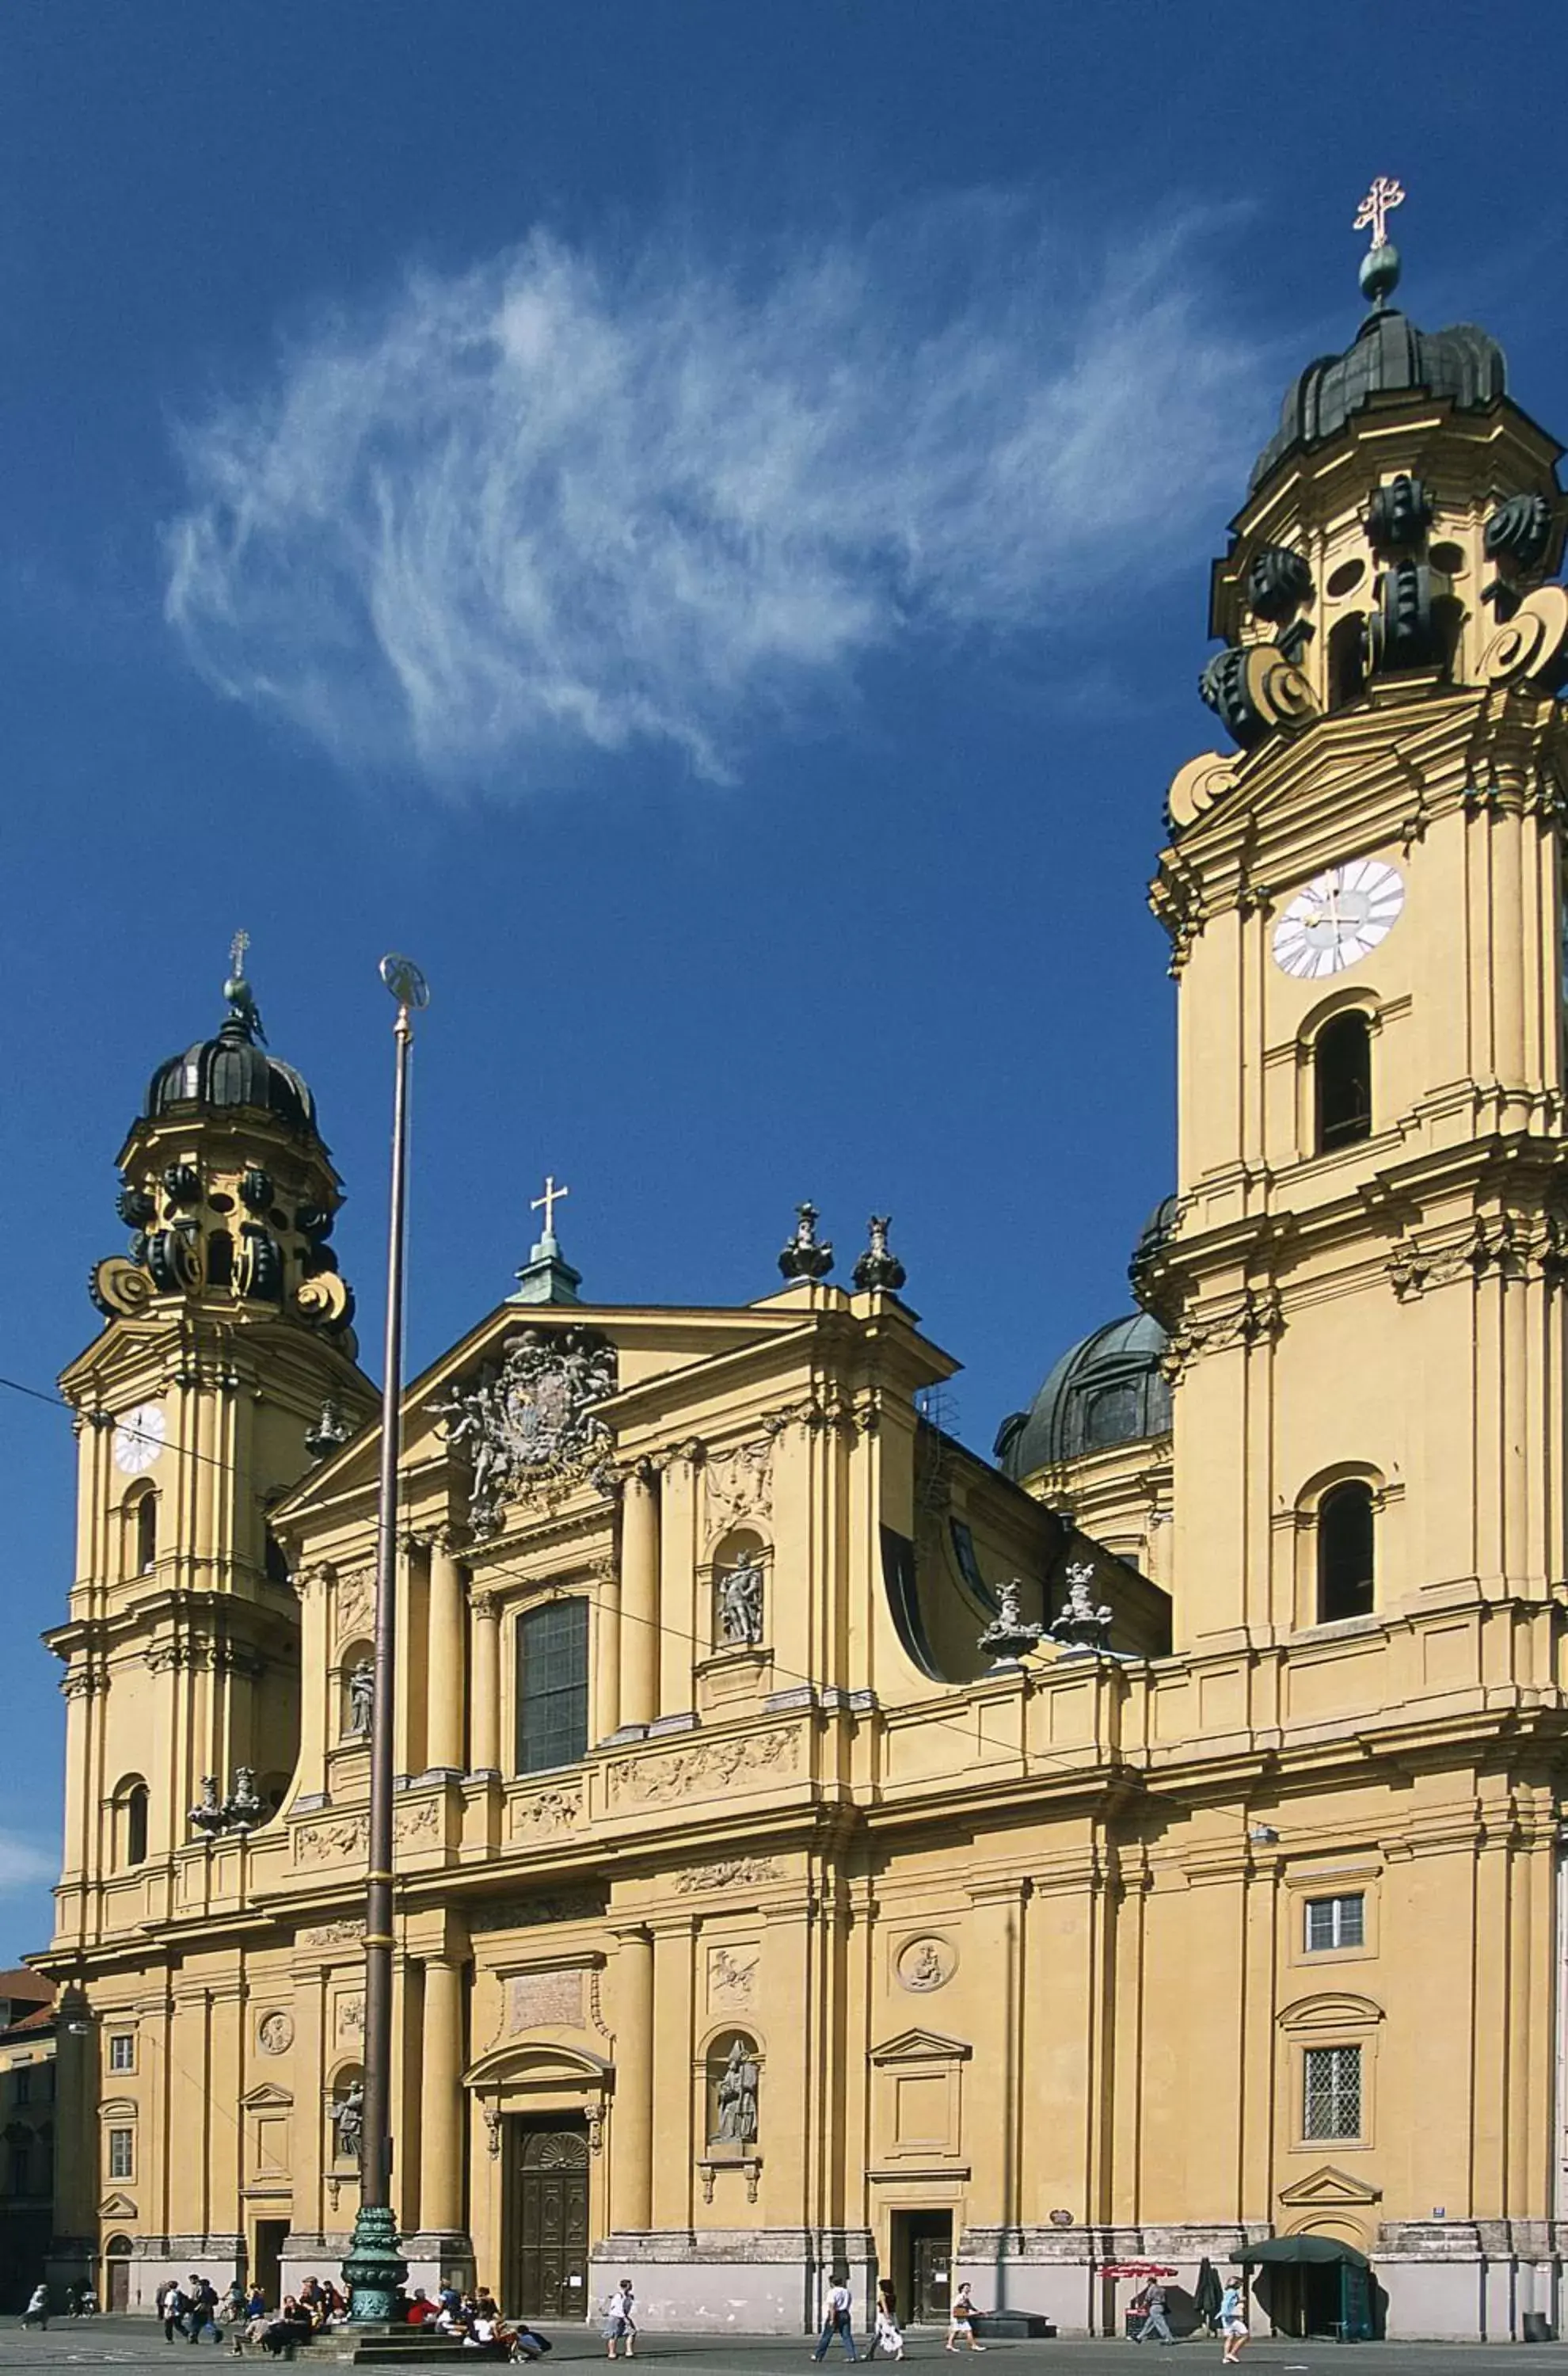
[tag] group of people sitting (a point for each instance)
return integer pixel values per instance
(476, 2319)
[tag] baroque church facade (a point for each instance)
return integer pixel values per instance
(818, 1846)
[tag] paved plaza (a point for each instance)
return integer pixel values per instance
(138, 2343)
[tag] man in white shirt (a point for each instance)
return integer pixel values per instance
(836, 2319)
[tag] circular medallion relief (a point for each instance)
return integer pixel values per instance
(139, 1439)
(275, 2033)
(925, 1964)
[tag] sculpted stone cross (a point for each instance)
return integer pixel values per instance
(1376, 207)
(549, 1201)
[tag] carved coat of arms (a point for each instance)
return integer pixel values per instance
(529, 1422)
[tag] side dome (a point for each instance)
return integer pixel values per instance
(1109, 1388)
(233, 1071)
(1388, 357)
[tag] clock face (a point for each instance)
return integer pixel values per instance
(1338, 918)
(140, 1438)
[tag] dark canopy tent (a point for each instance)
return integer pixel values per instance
(1297, 2249)
(1315, 2284)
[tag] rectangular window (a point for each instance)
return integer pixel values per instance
(552, 1685)
(1336, 1922)
(122, 2153)
(1332, 2088)
(21, 2170)
(22, 2087)
(123, 2053)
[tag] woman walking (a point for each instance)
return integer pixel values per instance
(620, 2321)
(888, 2340)
(961, 2322)
(1232, 2319)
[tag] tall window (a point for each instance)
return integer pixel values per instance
(122, 2153)
(552, 1685)
(1332, 2091)
(146, 1533)
(1342, 1081)
(122, 2051)
(1345, 1553)
(1336, 1922)
(22, 2087)
(1347, 660)
(135, 1824)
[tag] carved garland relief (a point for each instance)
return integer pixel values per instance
(732, 1872)
(712, 1767)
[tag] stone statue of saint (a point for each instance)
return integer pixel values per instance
(740, 1601)
(737, 2093)
(362, 1698)
(348, 2120)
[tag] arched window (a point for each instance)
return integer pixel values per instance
(1342, 1080)
(130, 1823)
(1345, 1553)
(275, 1560)
(146, 1534)
(1347, 660)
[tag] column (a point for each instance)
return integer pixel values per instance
(639, 1600)
(631, 2134)
(484, 1715)
(444, 1662)
(606, 1659)
(442, 2102)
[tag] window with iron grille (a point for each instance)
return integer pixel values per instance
(122, 2153)
(1336, 1922)
(1332, 2083)
(551, 1685)
(123, 2053)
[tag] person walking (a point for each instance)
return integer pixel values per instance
(961, 2320)
(1233, 2318)
(888, 2339)
(838, 2319)
(37, 2311)
(172, 2308)
(1155, 2321)
(621, 2320)
(203, 2315)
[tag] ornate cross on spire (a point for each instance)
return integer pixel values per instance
(237, 948)
(547, 1202)
(1376, 207)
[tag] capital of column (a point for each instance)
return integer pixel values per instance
(486, 1605)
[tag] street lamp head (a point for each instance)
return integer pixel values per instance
(405, 982)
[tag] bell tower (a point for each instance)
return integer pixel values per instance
(1363, 1278)
(225, 1364)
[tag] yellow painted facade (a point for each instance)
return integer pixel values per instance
(1238, 1918)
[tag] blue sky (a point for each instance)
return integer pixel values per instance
(693, 518)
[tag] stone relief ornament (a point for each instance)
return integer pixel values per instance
(1009, 1635)
(731, 1872)
(740, 1484)
(707, 1771)
(548, 1810)
(335, 1841)
(275, 2033)
(350, 2019)
(529, 1423)
(331, 1934)
(544, 2000)
(738, 1593)
(354, 1603)
(925, 1964)
(731, 1978)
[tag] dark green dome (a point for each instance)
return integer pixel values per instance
(1109, 1388)
(1388, 357)
(232, 1071)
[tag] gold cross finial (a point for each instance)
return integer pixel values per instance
(1376, 207)
(237, 948)
(547, 1202)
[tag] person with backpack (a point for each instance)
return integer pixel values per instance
(202, 2316)
(172, 2308)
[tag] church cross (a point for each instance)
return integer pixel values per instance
(549, 1201)
(237, 948)
(1376, 207)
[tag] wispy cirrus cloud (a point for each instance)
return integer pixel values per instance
(567, 499)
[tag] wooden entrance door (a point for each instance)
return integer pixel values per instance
(549, 2222)
(117, 2270)
(931, 2275)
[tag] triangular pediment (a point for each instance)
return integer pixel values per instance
(1327, 2186)
(922, 2046)
(117, 2206)
(267, 2099)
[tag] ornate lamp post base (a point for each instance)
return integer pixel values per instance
(375, 2270)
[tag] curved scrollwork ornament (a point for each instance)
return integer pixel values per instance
(1533, 645)
(1279, 582)
(1253, 689)
(1196, 788)
(1399, 515)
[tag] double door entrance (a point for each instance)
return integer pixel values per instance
(922, 2266)
(546, 2215)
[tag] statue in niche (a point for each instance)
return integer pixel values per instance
(735, 2098)
(361, 1699)
(348, 2122)
(739, 1602)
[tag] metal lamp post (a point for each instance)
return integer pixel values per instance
(374, 2270)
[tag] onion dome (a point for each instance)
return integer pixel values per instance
(234, 1070)
(1110, 1388)
(1388, 357)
